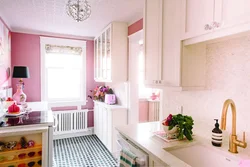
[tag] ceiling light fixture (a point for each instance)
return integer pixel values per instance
(79, 10)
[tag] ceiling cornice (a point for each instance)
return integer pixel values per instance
(50, 34)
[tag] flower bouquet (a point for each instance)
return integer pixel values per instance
(99, 93)
(179, 126)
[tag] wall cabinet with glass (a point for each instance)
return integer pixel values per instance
(111, 53)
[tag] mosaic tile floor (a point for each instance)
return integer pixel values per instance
(84, 151)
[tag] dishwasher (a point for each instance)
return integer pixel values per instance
(142, 157)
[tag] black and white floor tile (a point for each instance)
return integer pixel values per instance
(84, 151)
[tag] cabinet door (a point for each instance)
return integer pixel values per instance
(100, 123)
(154, 163)
(196, 15)
(108, 53)
(153, 40)
(105, 126)
(96, 59)
(231, 12)
(96, 125)
(104, 57)
(109, 130)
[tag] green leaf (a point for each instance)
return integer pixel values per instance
(185, 125)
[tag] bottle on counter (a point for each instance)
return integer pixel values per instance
(217, 135)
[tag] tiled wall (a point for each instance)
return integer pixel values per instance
(228, 76)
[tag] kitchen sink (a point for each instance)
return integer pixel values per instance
(202, 156)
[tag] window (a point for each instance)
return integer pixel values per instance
(63, 71)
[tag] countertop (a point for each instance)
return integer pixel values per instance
(32, 118)
(112, 106)
(142, 135)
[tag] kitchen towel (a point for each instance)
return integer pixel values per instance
(127, 158)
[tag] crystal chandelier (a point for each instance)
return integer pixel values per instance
(79, 10)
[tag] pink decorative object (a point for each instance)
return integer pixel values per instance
(154, 96)
(244, 163)
(31, 143)
(110, 99)
(13, 109)
(19, 96)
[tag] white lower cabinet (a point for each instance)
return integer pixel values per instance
(154, 163)
(106, 118)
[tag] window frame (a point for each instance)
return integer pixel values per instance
(44, 88)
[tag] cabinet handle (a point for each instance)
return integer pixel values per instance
(156, 81)
(159, 81)
(215, 24)
(208, 27)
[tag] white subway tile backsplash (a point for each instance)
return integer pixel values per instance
(228, 76)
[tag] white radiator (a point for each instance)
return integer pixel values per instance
(153, 111)
(69, 123)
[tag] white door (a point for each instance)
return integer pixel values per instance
(232, 12)
(197, 14)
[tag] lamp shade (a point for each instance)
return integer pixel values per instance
(21, 72)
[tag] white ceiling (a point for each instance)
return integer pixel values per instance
(49, 16)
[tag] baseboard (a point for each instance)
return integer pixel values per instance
(89, 131)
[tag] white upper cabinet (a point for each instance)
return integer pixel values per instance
(111, 53)
(232, 12)
(167, 63)
(153, 41)
(197, 17)
(212, 19)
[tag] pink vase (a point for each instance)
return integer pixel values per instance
(19, 96)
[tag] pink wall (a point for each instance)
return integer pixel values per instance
(137, 26)
(26, 51)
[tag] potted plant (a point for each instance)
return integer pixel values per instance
(181, 124)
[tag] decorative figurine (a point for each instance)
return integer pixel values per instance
(31, 143)
(10, 145)
(23, 142)
(18, 146)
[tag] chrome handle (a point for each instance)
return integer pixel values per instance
(55, 121)
(244, 137)
(215, 24)
(208, 27)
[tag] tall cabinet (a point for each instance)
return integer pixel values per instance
(111, 53)
(106, 118)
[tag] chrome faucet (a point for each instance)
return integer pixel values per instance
(233, 142)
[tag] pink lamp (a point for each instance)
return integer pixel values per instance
(20, 72)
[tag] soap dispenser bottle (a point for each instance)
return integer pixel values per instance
(217, 135)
